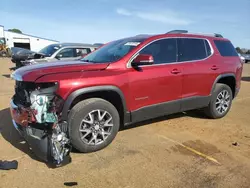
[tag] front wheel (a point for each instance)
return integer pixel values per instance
(93, 124)
(220, 103)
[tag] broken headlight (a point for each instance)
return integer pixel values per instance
(42, 103)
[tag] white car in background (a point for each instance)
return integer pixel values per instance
(246, 57)
(242, 58)
(54, 52)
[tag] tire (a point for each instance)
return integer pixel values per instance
(81, 112)
(211, 110)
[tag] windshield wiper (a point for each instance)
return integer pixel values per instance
(85, 60)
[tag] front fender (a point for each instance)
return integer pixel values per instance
(82, 91)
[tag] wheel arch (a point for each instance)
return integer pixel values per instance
(228, 79)
(110, 93)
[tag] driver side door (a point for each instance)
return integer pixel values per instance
(155, 89)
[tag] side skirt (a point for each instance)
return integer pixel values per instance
(196, 102)
(166, 108)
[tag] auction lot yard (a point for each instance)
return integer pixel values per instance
(181, 150)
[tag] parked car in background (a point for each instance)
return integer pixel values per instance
(51, 53)
(84, 103)
(242, 58)
(98, 44)
(247, 57)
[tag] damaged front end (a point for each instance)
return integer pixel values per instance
(36, 112)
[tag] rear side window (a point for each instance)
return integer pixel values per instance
(191, 49)
(225, 48)
(82, 51)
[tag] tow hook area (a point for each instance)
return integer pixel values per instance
(36, 115)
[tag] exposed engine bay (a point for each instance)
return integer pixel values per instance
(36, 114)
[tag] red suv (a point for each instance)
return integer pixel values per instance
(84, 103)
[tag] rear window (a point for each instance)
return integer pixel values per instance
(225, 48)
(191, 49)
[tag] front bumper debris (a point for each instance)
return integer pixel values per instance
(37, 121)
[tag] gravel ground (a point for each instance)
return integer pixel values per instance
(181, 150)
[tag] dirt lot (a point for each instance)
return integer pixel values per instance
(181, 150)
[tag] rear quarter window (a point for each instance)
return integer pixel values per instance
(225, 48)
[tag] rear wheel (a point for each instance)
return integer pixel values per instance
(94, 124)
(221, 101)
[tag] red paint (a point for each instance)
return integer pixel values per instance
(154, 84)
(144, 58)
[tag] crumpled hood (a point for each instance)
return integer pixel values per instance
(33, 72)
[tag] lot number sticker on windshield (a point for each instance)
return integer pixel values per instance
(132, 43)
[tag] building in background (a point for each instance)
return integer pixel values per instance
(22, 40)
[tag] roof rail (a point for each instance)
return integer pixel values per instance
(218, 35)
(177, 31)
(185, 31)
(142, 35)
(208, 34)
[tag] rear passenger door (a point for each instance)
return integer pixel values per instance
(199, 71)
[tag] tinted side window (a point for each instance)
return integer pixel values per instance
(163, 51)
(67, 52)
(225, 48)
(191, 49)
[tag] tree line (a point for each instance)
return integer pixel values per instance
(242, 50)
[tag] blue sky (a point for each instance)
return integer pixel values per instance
(107, 20)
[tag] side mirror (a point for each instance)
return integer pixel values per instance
(143, 59)
(59, 56)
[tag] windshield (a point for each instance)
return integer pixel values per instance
(113, 51)
(50, 50)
